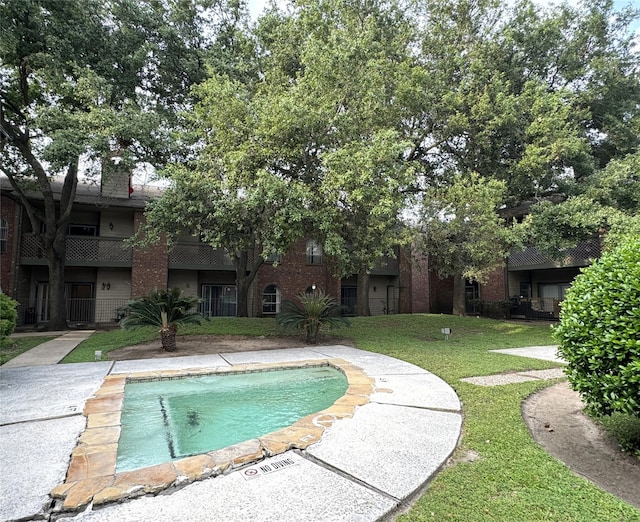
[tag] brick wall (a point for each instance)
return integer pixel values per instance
(496, 287)
(150, 265)
(11, 211)
(414, 283)
(293, 276)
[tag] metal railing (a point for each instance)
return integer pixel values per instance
(377, 306)
(218, 307)
(79, 311)
(536, 308)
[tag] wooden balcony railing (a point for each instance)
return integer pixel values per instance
(91, 251)
(199, 256)
(531, 259)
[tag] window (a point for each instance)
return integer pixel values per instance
(83, 230)
(274, 259)
(4, 235)
(551, 294)
(218, 300)
(271, 300)
(313, 253)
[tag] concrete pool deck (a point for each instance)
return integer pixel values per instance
(364, 468)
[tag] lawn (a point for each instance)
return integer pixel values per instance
(14, 346)
(511, 478)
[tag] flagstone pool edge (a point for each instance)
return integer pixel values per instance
(91, 475)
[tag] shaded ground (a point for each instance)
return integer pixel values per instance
(210, 344)
(555, 419)
(554, 415)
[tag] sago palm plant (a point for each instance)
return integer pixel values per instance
(167, 309)
(316, 310)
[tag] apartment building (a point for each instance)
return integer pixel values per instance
(102, 271)
(536, 283)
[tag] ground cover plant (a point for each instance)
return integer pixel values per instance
(509, 477)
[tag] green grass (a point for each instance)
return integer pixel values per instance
(513, 479)
(112, 340)
(625, 429)
(12, 347)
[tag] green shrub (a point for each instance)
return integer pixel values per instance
(166, 309)
(318, 310)
(8, 317)
(599, 331)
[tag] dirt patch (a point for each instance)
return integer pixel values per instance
(212, 344)
(556, 421)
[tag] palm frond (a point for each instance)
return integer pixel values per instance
(148, 310)
(317, 310)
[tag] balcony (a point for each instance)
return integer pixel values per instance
(388, 266)
(78, 311)
(197, 256)
(531, 259)
(81, 251)
(536, 308)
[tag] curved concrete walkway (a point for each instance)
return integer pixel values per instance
(365, 468)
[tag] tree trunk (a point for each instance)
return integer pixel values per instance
(243, 282)
(244, 277)
(459, 305)
(168, 338)
(362, 298)
(56, 217)
(55, 245)
(57, 304)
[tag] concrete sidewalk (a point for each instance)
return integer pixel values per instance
(364, 468)
(545, 353)
(51, 352)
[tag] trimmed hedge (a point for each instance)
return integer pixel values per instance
(599, 331)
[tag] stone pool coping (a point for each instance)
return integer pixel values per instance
(92, 478)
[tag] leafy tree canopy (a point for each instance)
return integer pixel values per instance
(541, 99)
(84, 80)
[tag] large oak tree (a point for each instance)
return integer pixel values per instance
(538, 98)
(82, 80)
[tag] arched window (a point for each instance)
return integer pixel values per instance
(4, 235)
(313, 253)
(271, 300)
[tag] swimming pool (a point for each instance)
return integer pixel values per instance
(92, 477)
(170, 419)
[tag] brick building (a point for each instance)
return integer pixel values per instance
(102, 272)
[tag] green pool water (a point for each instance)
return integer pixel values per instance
(171, 419)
